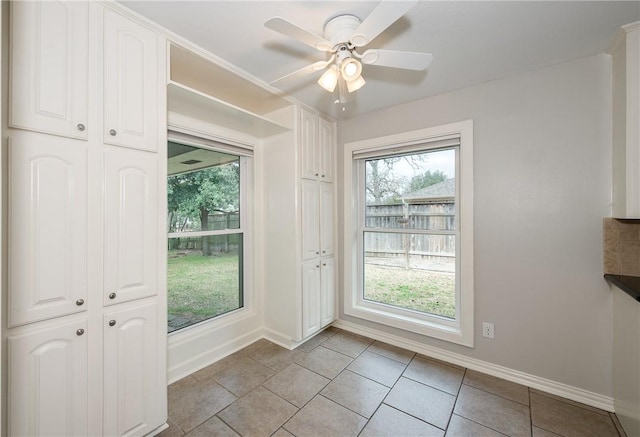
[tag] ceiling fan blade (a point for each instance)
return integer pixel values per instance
(294, 31)
(383, 16)
(397, 59)
(316, 66)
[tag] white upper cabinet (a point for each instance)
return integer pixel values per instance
(47, 227)
(130, 84)
(310, 215)
(317, 147)
(326, 150)
(131, 225)
(48, 382)
(49, 67)
(132, 380)
(326, 219)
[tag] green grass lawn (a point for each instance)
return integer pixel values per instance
(201, 287)
(420, 290)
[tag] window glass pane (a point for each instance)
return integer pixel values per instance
(202, 286)
(203, 189)
(415, 191)
(411, 271)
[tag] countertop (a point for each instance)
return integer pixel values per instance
(628, 284)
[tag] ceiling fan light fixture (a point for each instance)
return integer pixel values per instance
(329, 79)
(356, 84)
(350, 69)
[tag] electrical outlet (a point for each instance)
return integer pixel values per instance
(487, 330)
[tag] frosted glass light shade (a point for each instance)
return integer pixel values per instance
(356, 84)
(350, 69)
(329, 79)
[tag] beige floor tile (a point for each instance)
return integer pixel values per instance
(172, 431)
(251, 349)
(259, 413)
(393, 352)
(506, 389)
(347, 344)
(418, 400)
(539, 432)
(377, 367)
(191, 402)
(494, 412)
(435, 374)
(213, 427)
(325, 362)
(461, 427)
(388, 421)
(569, 401)
(297, 384)
(356, 392)
(282, 433)
(276, 357)
(322, 417)
(214, 368)
(569, 420)
(243, 376)
(312, 343)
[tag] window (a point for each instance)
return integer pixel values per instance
(207, 225)
(409, 260)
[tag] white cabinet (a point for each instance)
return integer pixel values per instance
(317, 147)
(47, 227)
(131, 224)
(318, 295)
(49, 67)
(132, 378)
(86, 237)
(626, 122)
(130, 84)
(299, 227)
(48, 380)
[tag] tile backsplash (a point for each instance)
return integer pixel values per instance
(621, 246)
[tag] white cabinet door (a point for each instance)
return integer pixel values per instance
(326, 218)
(47, 227)
(49, 67)
(310, 202)
(326, 150)
(131, 224)
(327, 292)
(131, 371)
(309, 145)
(48, 386)
(310, 297)
(130, 84)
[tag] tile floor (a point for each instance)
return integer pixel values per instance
(340, 384)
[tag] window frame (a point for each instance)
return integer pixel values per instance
(245, 229)
(460, 329)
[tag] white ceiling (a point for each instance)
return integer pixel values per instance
(472, 41)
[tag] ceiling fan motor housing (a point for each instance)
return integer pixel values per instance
(340, 29)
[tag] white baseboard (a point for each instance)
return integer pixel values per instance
(542, 384)
(210, 356)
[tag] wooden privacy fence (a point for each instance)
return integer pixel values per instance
(217, 243)
(427, 216)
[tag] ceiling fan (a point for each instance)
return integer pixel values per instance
(343, 36)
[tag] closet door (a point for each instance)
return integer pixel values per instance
(132, 404)
(310, 202)
(48, 381)
(47, 227)
(310, 297)
(326, 219)
(131, 224)
(130, 84)
(327, 292)
(49, 67)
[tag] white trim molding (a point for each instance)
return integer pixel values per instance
(546, 385)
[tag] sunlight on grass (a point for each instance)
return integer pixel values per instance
(421, 290)
(201, 287)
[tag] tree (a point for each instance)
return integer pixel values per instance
(425, 179)
(383, 185)
(193, 196)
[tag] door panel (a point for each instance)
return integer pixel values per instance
(310, 298)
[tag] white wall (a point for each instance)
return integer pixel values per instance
(542, 146)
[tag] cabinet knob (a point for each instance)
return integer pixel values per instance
(112, 296)
(113, 132)
(80, 302)
(317, 253)
(317, 174)
(324, 264)
(324, 251)
(81, 127)
(317, 266)
(79, 331)
(323, 176)
(112, 323)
